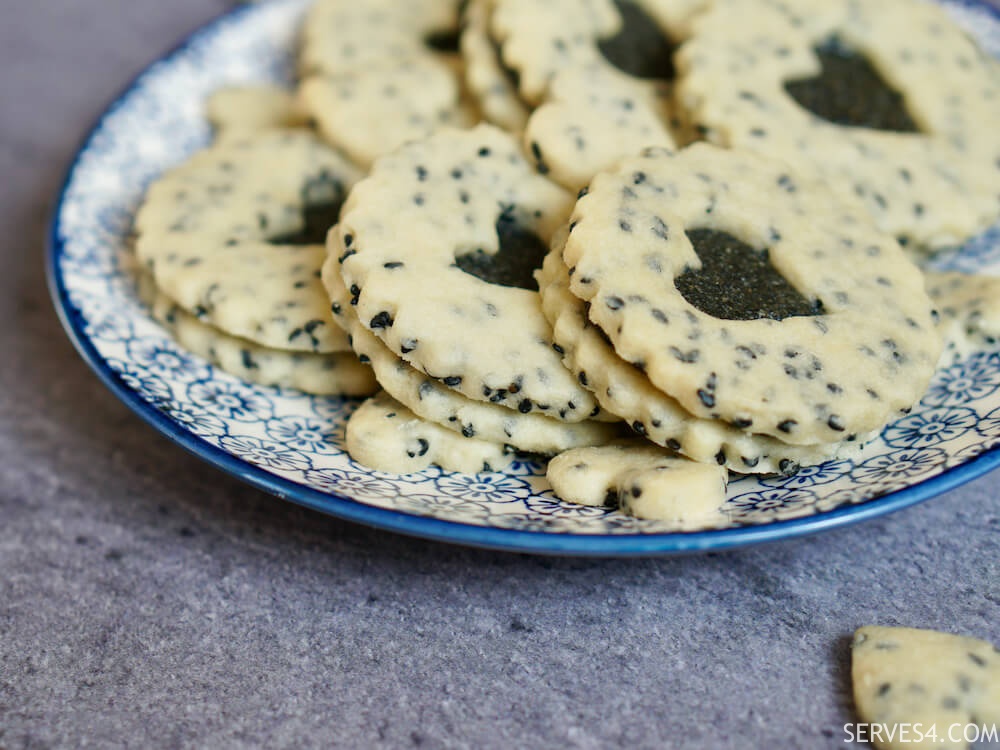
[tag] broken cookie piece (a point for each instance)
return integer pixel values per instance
(384, 435)
(642, 480)
(909, 677)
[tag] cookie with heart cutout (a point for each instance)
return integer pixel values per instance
(384, 435)
(437, 247)
(886, 99)
(622, 389)
(752, 294)
(599, 73)
(432, 400)
(235, 236)
(378, 74)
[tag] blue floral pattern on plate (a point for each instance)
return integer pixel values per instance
(292, 444)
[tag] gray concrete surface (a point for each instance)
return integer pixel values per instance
(146, 600)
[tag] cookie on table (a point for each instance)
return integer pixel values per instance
(905, 676)
(377, 74)
(334, 374)
(599, 72)
(437, 247)
(642, 480)
(623, 390)
(968, 308)
(235, 237)
(386, 436)
(239, 110)
(491, 85)
(435, 402)
(752, 295)
(889, 99)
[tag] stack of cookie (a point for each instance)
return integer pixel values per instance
(744, 306)
(732, 325)
(430, 271)
(231, 243)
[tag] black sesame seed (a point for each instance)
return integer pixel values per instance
(977, 660)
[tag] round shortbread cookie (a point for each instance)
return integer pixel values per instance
(235, 237)
(752, 295)
(386, 436)
(337, 374)
(378, 74)
(968, 309)
(238, 110)
(431, 400)
(492, 86)
(642, 480)
(623, 390)
(437, 246)
(916, 146)
(599, 72)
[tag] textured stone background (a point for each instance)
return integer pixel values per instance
(147, 600)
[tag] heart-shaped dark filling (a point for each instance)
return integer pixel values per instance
(447, 41)
(322, 198)
(521, 252)
(444, 41)
(640, 48)
(849, 91)
(737, 281)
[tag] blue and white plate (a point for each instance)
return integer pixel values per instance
(291, 444)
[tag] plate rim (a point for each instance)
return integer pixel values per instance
(427, 527)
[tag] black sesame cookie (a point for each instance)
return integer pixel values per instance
(336, 374)
(922, 678)
(235, 237)
(239, 110)
(432, 400)
(624, 390)
(642, 480)
(386, 436)
(599, 72)
(339, 35)
(752, 295)
(377, 74)
(889, 100)
(968, 308)
(492, 86)
(438, 245)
